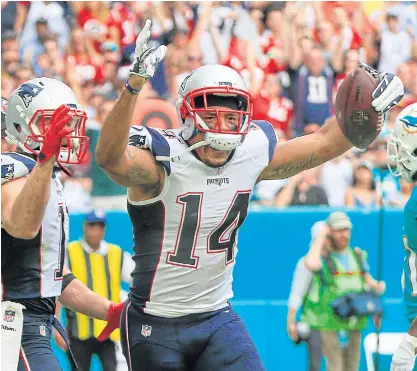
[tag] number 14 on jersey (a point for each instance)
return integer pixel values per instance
(221, 240)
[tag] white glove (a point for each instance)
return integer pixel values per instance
(404, 356)
(389, 91)
(145, 60)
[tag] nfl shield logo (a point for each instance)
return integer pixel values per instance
(42, 330)
(146, 330)
(9, 315)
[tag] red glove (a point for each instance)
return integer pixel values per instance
(377, 321)
(55, 133)
(113, 320)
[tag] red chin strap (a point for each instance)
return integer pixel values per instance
(74, 146)
(189, 110)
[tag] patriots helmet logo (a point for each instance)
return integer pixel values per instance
(138, 141)
(27, 92)
(410, 123)
(7, 171)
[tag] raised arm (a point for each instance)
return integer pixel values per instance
(126, 165)
(329, 142)
(24, 200)
(305, 152)
(130, 166)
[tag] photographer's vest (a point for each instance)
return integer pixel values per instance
(101, 274)
(332, 282)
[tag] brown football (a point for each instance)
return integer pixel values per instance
(358, 120)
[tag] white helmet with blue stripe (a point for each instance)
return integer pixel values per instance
(402, 144)
(29, 109)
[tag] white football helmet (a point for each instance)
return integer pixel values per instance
(214, 84)
(28, 110)
(402, 144)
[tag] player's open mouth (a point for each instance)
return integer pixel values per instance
(217, 151)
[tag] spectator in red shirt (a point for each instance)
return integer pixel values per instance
(87, 62)
(272, 41)
(123, 24)
(351, 38)
(242, 59)
(348, 64)
(97, 10)
(270, 105)
(92, 18)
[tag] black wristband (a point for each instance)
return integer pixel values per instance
(128, 87)
(67, 280)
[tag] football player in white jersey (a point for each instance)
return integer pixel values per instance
(402, 151)
(47, 125)
(188, 193)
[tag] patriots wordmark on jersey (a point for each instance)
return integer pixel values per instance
(185, 239)
(32, 269)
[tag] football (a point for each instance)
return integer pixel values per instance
(358, 120)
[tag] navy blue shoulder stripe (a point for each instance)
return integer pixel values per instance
(269, 131)
(160, 147)
(25, 160)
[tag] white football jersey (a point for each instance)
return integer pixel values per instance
(33, 268)
(186, 238)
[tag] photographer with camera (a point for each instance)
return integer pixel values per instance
(342, 294)
(300, 331)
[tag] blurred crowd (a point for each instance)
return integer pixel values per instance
(293, 56)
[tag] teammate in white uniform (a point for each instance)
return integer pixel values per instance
(188, 193)
(47, 124)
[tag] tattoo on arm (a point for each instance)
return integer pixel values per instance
(138, 175)
(135, 173)
(290, 169)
